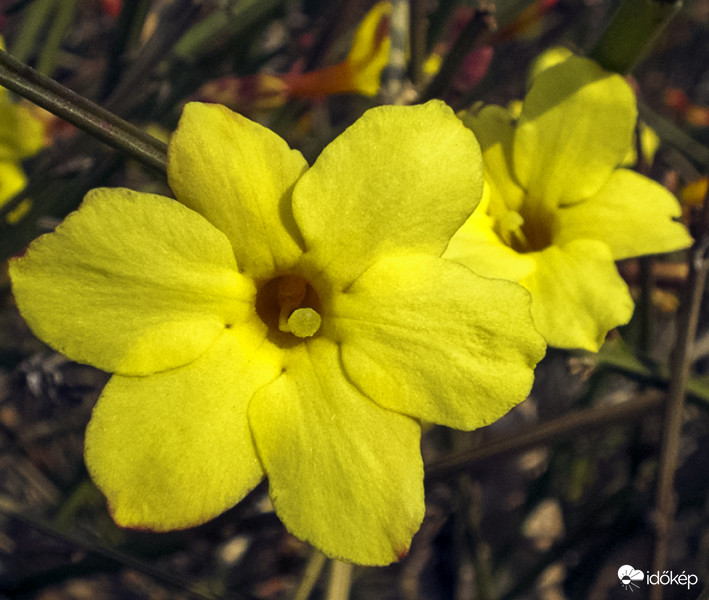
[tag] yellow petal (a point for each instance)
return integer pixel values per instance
(173, 450)
(344, 474)
(547, 59)
(494, 128)
(402, 178)
(132, 283)
(631, 213)
(649, 143)
(427, 337)
(18, 213)
(478, 247)
(577, 294)
(370, 49)
(12, 180)
(239, 175)
(21, 133)
(576, 127)
(693, 193)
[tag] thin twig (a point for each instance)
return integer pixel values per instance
(82, 113)
(680, 368)
(11, 509)
(543, 433)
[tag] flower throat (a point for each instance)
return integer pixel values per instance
(289, 304)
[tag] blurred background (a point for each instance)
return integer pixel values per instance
(549, 502)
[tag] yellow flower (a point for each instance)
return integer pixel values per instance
(359, 73)
(284, 321)
(21, 136)
(560, 210)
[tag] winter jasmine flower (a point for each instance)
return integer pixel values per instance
(561, 211)
(359, 73)
(283, 321)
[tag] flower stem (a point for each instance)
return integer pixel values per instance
(674, 408)
(82, 113)
(340, 580)
(316, 562)
(632, 31)
(565, 427)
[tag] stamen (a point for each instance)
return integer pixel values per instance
(511, 231)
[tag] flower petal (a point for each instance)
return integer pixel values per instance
(549, 58)
(21, 133)
(576, 127)
(370, 49)
(478, 247)
(173, 450)
(12, 180)
(577, 294)
(239, 175)
(344, 474)
(131, 283)
(631, 213)
(402, 178)
(462, 357)
(494, 128)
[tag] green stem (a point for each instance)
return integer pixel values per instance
(82, 113)
(231, 20)
(632, 31)
(673, 135)
(34, 20)
(63, 17)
